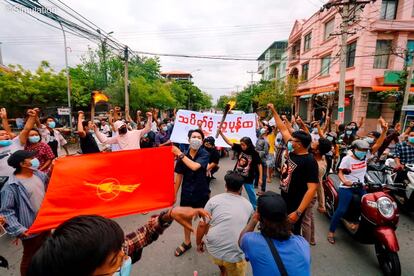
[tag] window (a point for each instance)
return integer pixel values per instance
(305, 71)
(329, 27)
(350, 54)
(382, 54)
(389, 9)
(410, 48)
(307, 43)
(325, 64)
(374, 103)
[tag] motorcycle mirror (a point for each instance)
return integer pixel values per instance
(346, 171)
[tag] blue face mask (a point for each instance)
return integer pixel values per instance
(289, 146)
(34, 139)
(262, 131)
(125, 268)
(5, 143)
(35, 164)
(360, 154)
(315, 130)
(411, 140)
(330, 138)
(348, 132)
(51, 124)
(370, 140)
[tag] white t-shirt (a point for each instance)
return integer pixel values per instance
(129, 141)
(358, 169)
(5, 152)
(230, 214)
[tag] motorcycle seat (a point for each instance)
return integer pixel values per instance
(335, 180)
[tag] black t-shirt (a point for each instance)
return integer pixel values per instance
(297, 172)
(88, 144)
(247, 163)
(194, 186)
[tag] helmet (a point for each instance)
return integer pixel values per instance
(360, 144)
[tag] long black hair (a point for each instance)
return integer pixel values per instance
(248, 142)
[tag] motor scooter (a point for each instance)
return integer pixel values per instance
(376, 215)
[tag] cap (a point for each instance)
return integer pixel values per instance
(19, 156)
(361, 144)
(118, 124)
(210, 140)
(272, 206)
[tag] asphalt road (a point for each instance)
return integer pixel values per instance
(346, 257)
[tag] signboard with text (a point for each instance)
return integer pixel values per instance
(234, 127)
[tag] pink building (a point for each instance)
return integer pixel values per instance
(379, 35)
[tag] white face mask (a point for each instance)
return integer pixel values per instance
(195, 143)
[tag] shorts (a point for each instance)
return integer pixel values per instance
(194, 204)
(271, 160)
(232, 269)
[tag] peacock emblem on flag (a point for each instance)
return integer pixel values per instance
(110, 188)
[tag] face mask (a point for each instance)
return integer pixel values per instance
(195, 143)
(360, 154)
(370, 140)
(5, 143)
(34, 139)
(122, 130)
(145, 135)
(165, 128)
(330, 138)
(125, 268)
(348, 132)
(290, 146)
(35, 164)
(262, 131)
(314, 130)
(169, 124)
(51, 124)
(91, 131)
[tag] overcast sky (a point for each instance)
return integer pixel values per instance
(241, 28)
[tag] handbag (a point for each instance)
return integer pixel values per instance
(276, 257)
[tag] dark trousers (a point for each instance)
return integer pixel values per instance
(297, 227)
(30, 247)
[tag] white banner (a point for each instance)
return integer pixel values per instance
(234, 127)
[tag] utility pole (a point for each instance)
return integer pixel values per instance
(251, 87)
(1, 57)
(126, 81)
(347, 10)
(407, 86)
(67, 76)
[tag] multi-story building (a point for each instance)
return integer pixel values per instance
(378, 36)
(271, 61)
(177, 75)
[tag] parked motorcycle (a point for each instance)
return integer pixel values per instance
(377, 215)
(403, 193)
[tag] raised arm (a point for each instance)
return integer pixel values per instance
(378, 143)
(28, 126)
(139, 126)
(279, 124)
(228, 142)
(81, 130)
(302, 125)
(5, 121)
(149, 123)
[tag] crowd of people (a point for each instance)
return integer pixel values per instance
(301, 154)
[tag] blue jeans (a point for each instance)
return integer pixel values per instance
(250, 192)
(264, 178)
(345, 197)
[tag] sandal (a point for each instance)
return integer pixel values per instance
(331, 239)
(182, 249)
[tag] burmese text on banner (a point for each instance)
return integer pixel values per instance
(108, 184)
(234, 127)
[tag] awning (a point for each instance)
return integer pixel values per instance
(387, 88)
(306, 96)
(327, 93)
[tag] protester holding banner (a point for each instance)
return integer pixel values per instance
(191, 170)
(162, 138)
(21, 197)
(247, 165)
(94, 245)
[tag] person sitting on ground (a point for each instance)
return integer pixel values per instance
(126, 139)
(93, 245)
(230, 213)
(275, 230)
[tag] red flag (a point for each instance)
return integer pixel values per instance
(108, 184)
